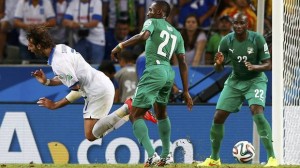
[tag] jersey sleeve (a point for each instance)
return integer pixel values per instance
(262, 48)
(69, 76)
(180, 48)
(148, 25)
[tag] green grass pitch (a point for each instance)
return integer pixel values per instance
(129, 166)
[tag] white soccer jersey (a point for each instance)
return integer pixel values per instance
(33, 15)
(72, 69)
(82, 12)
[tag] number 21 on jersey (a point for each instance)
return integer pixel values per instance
(167, 37)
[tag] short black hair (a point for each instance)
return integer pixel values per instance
(127, 56)
(123, 21)
(107, 66)
(226, 18)
(165, 7)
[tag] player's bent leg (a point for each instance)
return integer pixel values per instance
(217, 133)
(148, 115)
(88, 127)
(164, 128)
(117, 125)
(111, 122)
(265, 133)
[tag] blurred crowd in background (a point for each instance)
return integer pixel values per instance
(95, 27)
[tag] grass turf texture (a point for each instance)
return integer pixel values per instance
(128, 166)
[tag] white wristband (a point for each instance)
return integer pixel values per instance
(47, 82)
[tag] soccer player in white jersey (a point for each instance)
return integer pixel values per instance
(83, 80)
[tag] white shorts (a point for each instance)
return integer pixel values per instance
(98, 108)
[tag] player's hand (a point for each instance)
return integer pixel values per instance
(219, 58)
(44, 102)
(249, 66)
(115, 53)
(188, 100)
(39, 75)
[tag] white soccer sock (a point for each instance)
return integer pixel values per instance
(117, 125)
(104, 124)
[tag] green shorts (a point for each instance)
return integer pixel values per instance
(232, 98)
(155, 86)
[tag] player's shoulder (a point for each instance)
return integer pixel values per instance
(171, 28)
(229, 37)
(253, 34)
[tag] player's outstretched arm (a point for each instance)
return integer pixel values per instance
(49, 104)
(184, 79)
(41, 77)
(143, 36)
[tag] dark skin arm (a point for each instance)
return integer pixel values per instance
(184, 78)
(143, 36)
(265, 66)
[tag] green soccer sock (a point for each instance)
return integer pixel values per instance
(140, 131)
(265, 133)
(164, 127)
(216, 136)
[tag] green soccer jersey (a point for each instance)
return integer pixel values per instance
(163, 42)
(254, 49)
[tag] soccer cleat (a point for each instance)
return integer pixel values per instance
(148, 116)
(210, 162)
(170, 159)
(272, 162)
(152, 160)
(129, 104)
(165, 161)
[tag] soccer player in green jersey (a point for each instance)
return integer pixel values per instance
(162, 41)
(249, 56)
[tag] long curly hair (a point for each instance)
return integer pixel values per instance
(39, 35)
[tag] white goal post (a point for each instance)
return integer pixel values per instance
(286, 80)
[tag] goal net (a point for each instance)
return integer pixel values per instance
(286, 83)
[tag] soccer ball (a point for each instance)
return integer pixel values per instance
(243, 152)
